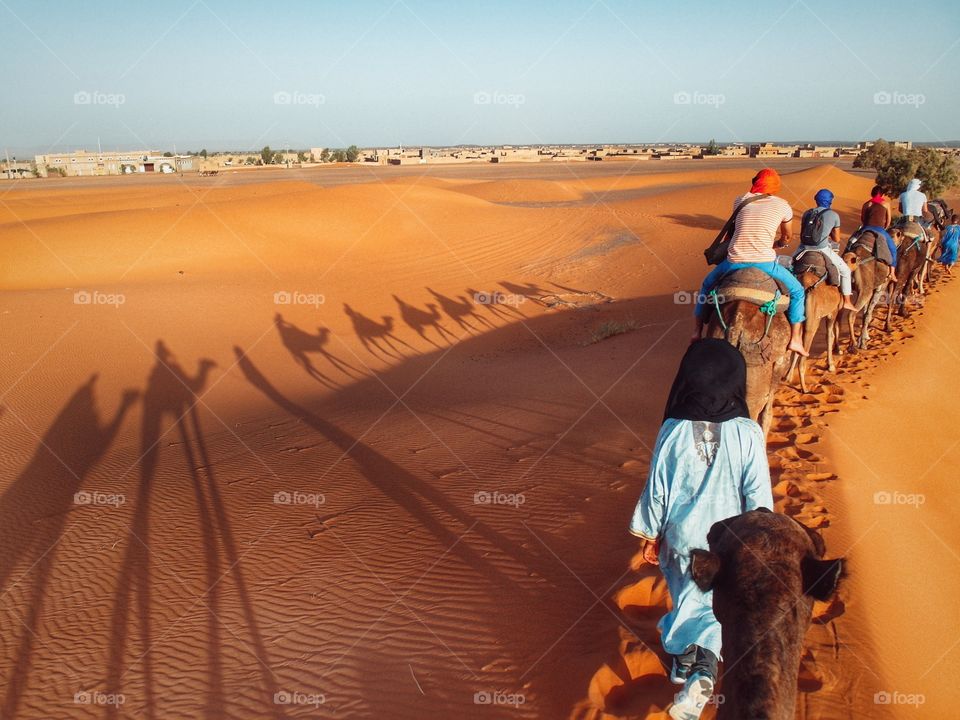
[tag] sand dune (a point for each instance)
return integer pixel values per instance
(456, 474)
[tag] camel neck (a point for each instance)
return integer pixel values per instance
(760, 674)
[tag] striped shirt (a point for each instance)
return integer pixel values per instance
(756, 228)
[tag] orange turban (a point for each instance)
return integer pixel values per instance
(766, 181)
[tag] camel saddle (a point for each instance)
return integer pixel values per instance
(812, 261)
(752, 285)
(870, 240)
(911, 229)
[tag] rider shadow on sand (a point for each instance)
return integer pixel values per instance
(34, 511)
(461, 310)
(418, 498)
(172, 396)
(506, 309)
(421, 320)
(377, 337)
(301, 344)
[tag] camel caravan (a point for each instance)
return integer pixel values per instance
(742, 579)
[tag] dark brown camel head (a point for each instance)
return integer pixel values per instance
(765, 570)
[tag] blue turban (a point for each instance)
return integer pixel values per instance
(824, 198)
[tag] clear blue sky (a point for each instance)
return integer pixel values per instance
(208, 73)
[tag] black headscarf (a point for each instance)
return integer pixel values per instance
(711, 384)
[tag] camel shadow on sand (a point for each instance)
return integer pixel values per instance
(172, 396)
(302, 345)
(35, 508)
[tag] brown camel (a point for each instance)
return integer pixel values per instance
(762, 341)
(765, 570)
(870, 280)
(911, 260)
(824, 303)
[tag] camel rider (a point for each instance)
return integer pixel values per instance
(875, 217)
(709, 463)
(754, 237)
(913, 203)
(820, 228)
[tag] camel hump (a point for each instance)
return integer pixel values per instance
(753, 285)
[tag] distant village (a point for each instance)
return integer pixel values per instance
(84, 163)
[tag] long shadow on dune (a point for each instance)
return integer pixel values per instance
(302, 344)
(34, 510)
(701, 221)
(172, 393)
(377, 338)
(404, 488)
(461, 311)
(421, 320)
(506, 311)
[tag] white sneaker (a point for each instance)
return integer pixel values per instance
(689, 703)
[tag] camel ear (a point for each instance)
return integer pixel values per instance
(704, 566)
(820, 577)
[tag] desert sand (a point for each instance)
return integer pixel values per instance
(269, 450)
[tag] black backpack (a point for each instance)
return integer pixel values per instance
(811, 226)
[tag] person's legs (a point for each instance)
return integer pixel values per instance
(690, 702)
(893, 254)
(846, 285)
(705, 662)
(682, 664)
(708, 282)
(796, 311)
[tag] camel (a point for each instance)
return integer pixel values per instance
(372, 332)
(763, 341)
(824, 303)
(911, 260)
(765, 571)
(870, 280)
(419, 320)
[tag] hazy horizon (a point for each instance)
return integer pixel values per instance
(199, 74)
